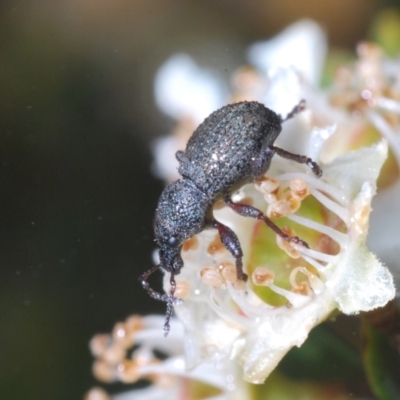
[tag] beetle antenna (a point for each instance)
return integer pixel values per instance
(169, 299)
(297, 109)
(144, 277)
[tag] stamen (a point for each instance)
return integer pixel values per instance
(294, 202)
(103, 371)
(162, 380)
(279, 209)
(274, 196)
(318, 266)
(294, 299)
(134, 323)
(191, 244)
(317, 184)
(99, 344)
(266, 185)
(291, 250)
(212, 276)
(225, 311)
(299, 188)
(250, 305)
(182, 290)
(303, 288)
(337, 236)
(313, 281)
(317, 255)
(97, 393)
(387, 132)
(216, 247)
(341, 212)
(121, 335)
(143, 356)
(114, 354)
(239, 285)
(228, 271)
(389, 105)
(127, 371)
(262, 276)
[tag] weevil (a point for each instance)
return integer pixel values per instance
(233, 146)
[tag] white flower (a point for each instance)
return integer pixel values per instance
(115, 361)
(222, 318)
(228, 323)
(188, 94)
(183, 89)
(301, 46)
(256, 327)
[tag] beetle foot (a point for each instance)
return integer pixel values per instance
(176, 301)
(296, 110)
(296, 240)
(314, 167)
(243, 277)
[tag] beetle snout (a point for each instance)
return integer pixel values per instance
(177, 264)
(170, 259)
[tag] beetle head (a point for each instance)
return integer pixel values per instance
(170, 258)
(180, 214)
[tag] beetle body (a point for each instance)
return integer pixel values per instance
(222, 151)
(232, 146)
(225, 149)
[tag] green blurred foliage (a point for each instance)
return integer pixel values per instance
(382, 363)
(385, 30)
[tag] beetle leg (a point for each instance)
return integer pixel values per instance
(296, 109)
(249, 211)
(232, 244)
(298, 158)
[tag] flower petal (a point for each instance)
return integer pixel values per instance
(302, 45)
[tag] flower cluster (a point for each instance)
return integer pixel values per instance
(134, 351)
(225, 322)
(291, 288)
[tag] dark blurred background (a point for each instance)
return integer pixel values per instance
(76, 193)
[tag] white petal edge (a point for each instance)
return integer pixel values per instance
(302, 45)
(182, 89)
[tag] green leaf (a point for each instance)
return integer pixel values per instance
(280, 387)
(382, 363)
(325, 356)
(385, 31)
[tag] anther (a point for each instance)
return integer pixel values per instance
(127, 371)
(97, 393)
(286, 245)
(103, 371)
(299, 188)
(228, 272)
(279, 209)
(191, 244)
(262, 276)
(182, 290)
(212, 276)
(99, 344)
(266, 185)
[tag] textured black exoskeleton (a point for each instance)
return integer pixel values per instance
(233, 146)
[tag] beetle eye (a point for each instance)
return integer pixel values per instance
(172, 241)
